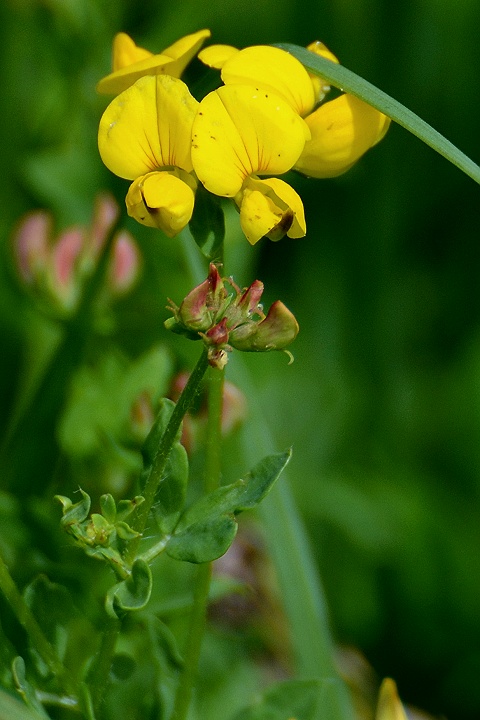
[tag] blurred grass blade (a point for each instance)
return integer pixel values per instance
(348, 81)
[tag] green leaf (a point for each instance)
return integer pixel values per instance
(150, 446)
(170, 496)
(25, 689)
(131, 594)
(348, 81)
(299, 699)
(208, 528)
(203, 541)
(12, 709)
(207, 225)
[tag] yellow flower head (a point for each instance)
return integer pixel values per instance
(145, 136)
(131, 62)
(241, 132)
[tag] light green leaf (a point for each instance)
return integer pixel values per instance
(348, 81)
(131, 594)
(13, 709)
(203, 541)
(170, 496)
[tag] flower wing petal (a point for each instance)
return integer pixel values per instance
(148, 126)
(215, 56)
(240, 131)
(162, 200)
(342, 131)
(271, 208)
(271, 68)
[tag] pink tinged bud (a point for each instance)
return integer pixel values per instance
(218, 334)
(142, 416)
(30, 245)
(275, 332)
(65, 254)
(124, 263)
(234, 407)
(105, 214)
(193, 311)
(217, 288)
(250, 299)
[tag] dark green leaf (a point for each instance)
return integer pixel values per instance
(208, 224)
(203, 541)
(131, 594)
(170, 496)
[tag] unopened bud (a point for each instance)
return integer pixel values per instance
(124, 263)
(64, 262)
(275, 332)
(30, 245)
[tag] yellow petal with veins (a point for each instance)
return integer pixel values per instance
(215, 56)
(240, 131)
(270, 68)
(131, 62)
(162, 200)
(270, 208)
(147, 127)
(342, 131)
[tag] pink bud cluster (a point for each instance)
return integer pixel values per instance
(54, 269)
(226, 320)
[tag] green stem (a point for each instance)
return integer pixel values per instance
(168, 438)
(38, 640)
(198, 616)
(100, 669)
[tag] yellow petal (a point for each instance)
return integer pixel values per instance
(215, 56)
(270, 68)
(321, 86)
(389, 706)
(342, 131)
(125, 52)
(270, 208)
(240, 131)
(162, 200)
(147, 127)
(131, 62)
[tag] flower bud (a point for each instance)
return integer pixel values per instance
(124, 264)
(275, 332)
(30, 245)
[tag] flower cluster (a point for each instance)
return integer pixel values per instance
(226, 320)
(265, 119)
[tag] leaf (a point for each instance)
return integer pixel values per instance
(12, 709)
(26, 690)
(203, 541)
(299, 699)
(348, 81)
(150, 446)
(131, 594)
(170, 496)
(207, 225)
(208, 528)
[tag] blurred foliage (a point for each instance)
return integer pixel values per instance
(382, 404)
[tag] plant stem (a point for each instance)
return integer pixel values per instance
(101, 666)
(168, 438)
(198, 616)
(38, 640)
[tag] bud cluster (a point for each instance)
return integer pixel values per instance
(225, 320)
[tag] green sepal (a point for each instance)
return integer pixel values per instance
(126, 507)
(299, 699)
(170, 496)
(108, 507)
(208, 224)
(125, 532)
(74, 513)
(208, 528)
(131, 594)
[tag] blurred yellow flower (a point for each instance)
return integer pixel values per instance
(145, 136)
(389, 706)
(239, 133)
(131, 62)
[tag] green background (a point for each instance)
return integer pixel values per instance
(382, 404)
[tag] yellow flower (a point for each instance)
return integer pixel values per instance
(389, 706)
(239, 133)
(342, 130)
(145, 136)
(131, 62)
